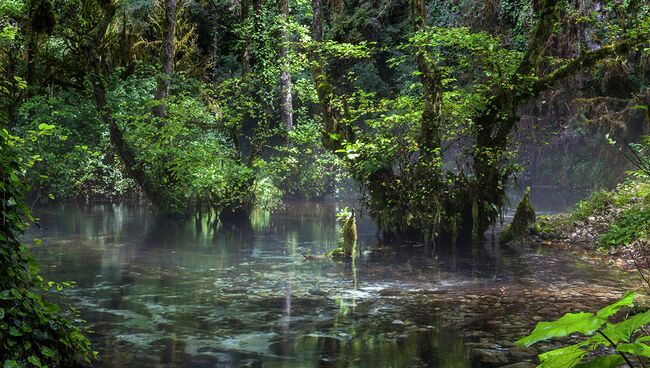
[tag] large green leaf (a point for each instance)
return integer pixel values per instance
(566, 357)
(583, 322)
(610, 310)
(607, 361)
(623, 331)
(636, 348)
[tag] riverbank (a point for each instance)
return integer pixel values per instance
(609, 226)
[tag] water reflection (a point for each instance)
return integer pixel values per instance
(165, 293)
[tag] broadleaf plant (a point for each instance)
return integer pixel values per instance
(625, 340)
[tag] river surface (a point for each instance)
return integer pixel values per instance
(165, 293)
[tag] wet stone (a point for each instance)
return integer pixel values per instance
(201, 361)
(488, 357)
(521, 354)
(519, 365)
(318, 292)
(391, 292)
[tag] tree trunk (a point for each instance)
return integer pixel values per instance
(124, 151)
(260, 122)
(91, 47)
(31, 56)
(245, 52)
(167, 58)
(286, 98)
(431, 78)
(317, 20)
(333, 132)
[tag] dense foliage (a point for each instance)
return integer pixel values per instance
(211, 105)
(33, 332)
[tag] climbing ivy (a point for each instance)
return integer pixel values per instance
(33, 332)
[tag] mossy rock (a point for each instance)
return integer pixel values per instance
(524, 217)
(338, 253)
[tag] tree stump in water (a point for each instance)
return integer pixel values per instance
(524, 217)
(349, 236)
(348, 241)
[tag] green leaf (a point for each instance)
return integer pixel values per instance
(45, 127)
(353, 156)
(583, 322)
(2, 313)
(13, 331)
(10, 364)
(47, 352)
(639, 349)
(623, 331)
(566, 357)
(607, 361)
(610, 310)
(34, 360)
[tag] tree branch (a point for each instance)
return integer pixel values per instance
(547, 21)
(586, 60)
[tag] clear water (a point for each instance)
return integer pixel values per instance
(164, 293)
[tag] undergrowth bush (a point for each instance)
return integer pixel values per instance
(595, 203)
(72, 155)
(632, 224)
(304, 169)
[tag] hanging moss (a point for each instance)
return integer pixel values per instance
(524, 217)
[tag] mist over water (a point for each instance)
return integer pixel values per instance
(162, 293)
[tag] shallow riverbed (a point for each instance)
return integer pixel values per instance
(163, 293)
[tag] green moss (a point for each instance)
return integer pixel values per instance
(524, 217)
(349, 236)
(337, 253)
(348, 241)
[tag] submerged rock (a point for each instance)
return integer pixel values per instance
(318, 292)
(520, 365)
(488, 357)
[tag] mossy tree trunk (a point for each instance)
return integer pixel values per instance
(431, 78)
(286, 97)
(125, 152)
(167, 58)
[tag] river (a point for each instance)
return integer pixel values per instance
(169, 293)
